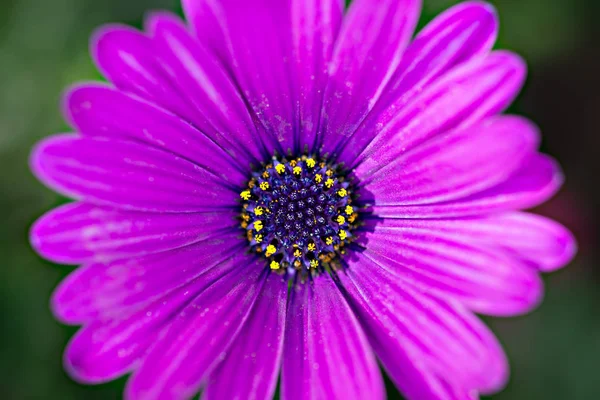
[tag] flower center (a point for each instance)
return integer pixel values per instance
(299, 213)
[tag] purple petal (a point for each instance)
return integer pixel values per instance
(315, 26)
(453, 165)
(540, 241)
(198, 337)
(100, 111)
(79, 232)
(530, 186)
(173, 71)
(251, 367)
(219, 108)
(463, 32)
(419, 338)
(326, 354)
(485, 279)
(108, 290)
(254, 41)
(372, 40)
(105, 350)
(468, 93)
(127, 175)
(127, 58)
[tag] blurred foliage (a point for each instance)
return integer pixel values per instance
(43, 49)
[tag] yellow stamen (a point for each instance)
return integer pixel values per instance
(342, 192)
(314, 263)
(270, 250)
(349, 210)
(258, 238)
(259, 211)
(329, 172)
(297, 170)
(311, 163)
(297, 253)
(274, 265)
(329, 241)
(340, 219)
(258, 226)
(245, 195)
(318, 178)
(329, 183)
(280, 168)
(264, 185)
(311, 247)
(343, 234)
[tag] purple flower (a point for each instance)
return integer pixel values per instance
(288, 185)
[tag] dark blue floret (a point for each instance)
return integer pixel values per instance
(298, 213)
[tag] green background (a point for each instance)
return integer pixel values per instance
(554, 351)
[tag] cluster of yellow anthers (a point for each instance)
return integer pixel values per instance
(315, 230)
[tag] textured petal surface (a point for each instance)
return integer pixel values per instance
(105, 112)
(106, 349)
(538, 240)
(315, 26)
(254, 40)
(251, 366)
(175, 72)
(484, 278)
(107, 290)
(78, 233)
(474, 90)
(372, 40)
(459, 34)
(534, 183)
(105, 171)
(463, 32)
(421, 339)
(198, 337)
(219, 107)
(456, 164)
(326, 355)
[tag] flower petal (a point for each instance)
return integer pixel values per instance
(77, 233)
(372, 40)
(198, 337)
(315, 27)
(173, 71)
(105, 350)
(254, 41)
(468, 93)
(219, 108)
(127, 175)
(251, 367)
(326, 352)
(109, 290)
(453, 165)
(534, 183)
(463, 32)
(440, 339)
(538, 240)
(485, 279)
(127, 58)
(100, 111)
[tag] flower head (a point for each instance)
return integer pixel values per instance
(285, 185)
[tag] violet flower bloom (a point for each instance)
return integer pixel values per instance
(290, 185)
